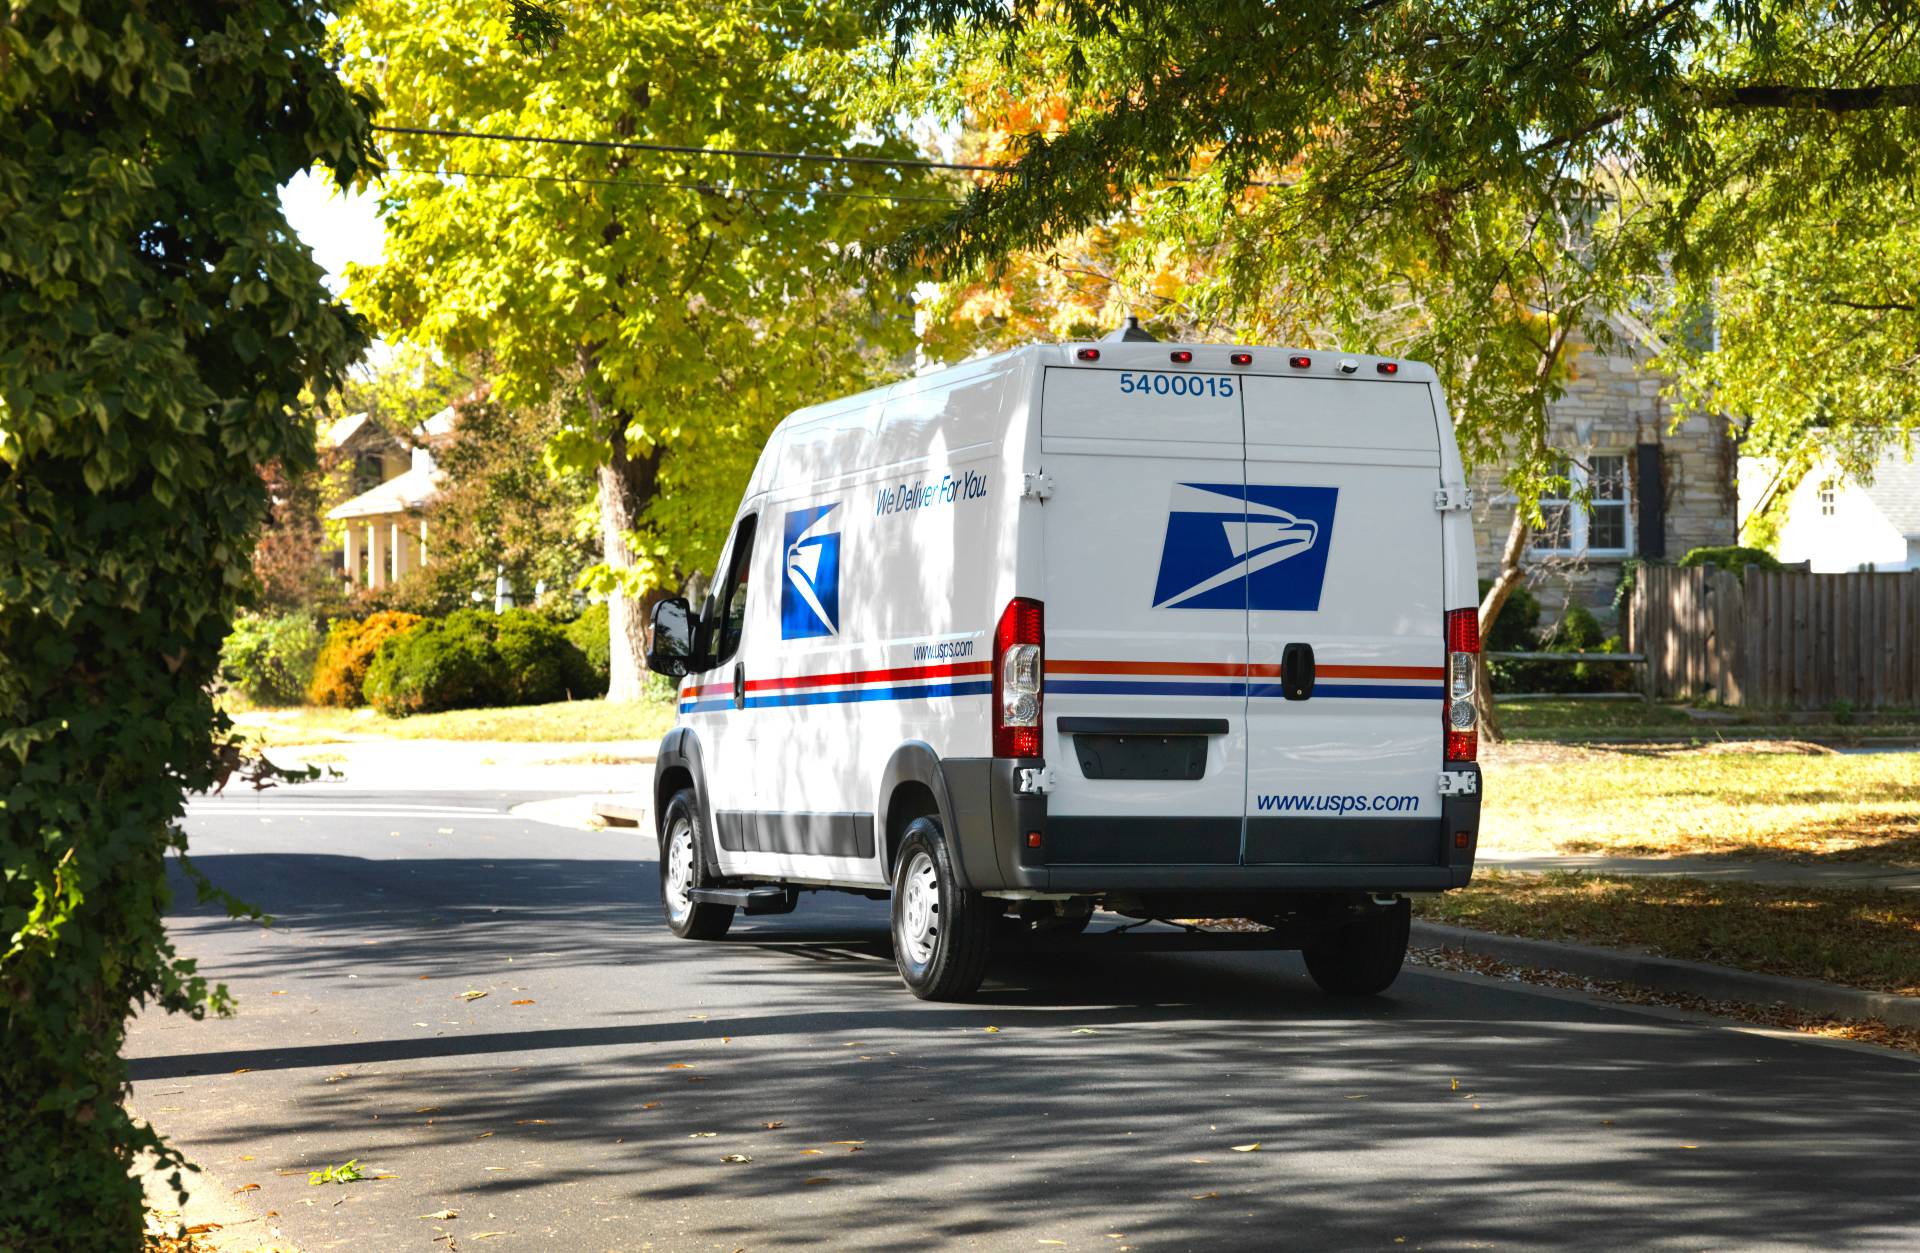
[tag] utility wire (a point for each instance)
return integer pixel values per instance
(728, 189)
(918, 163)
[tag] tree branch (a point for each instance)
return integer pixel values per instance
(1824, 99)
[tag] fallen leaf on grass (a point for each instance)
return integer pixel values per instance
(529, 1122)
(1247, 1148)
(814, 1152)
(471, 995)
(816, 1179)
(201, 1229)
(848, 1142)
(679, 1065)
(442, 1214)
(650, 1105)
(773, 1126)
(483, 1135)
(736, 1157)
(1205, 1196)
(428, 1109)
(347, 1172)
(991, 1030)
(1689, 1146)
(1201, 1161)
(1456, 1085)
(279, 993)
(246, 1187)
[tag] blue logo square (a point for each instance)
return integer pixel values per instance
(1245, 546)
(810, 590)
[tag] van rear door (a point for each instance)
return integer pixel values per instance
(1341, 475)
(1145, 710)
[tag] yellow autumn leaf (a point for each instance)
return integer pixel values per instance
(1247, 1148)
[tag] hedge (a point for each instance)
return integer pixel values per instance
(470, 659)
(270, 660)
(341, 672)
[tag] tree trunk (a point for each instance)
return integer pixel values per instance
(1505, 579)
(627, 485)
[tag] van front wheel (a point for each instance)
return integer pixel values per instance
(940, 930)
(1361, 957)
(681, 872)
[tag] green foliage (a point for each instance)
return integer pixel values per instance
(539, 663)
(345, 1172)
(271, 660)
(341, 671)
(671, 310)
(471, 659)
(588, 633)
(1514, 630)
(159, 327)
(1730, 557)
(446, 663)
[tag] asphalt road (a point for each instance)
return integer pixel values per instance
(588, 1099)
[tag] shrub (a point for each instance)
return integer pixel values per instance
(446, 664)
(1513, 631)
(270, 660)
(588, 633)
(538, 662)
(341, 672)
(1732, 557)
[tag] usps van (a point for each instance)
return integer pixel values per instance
(1171, 632)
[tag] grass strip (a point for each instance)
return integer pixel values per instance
(566, 721)
(1864, 939)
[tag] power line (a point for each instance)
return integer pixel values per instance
(919, 163)
(726, 189)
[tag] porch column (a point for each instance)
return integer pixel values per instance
(397, 538)
(351, 555)
(378, 547)
(423, 541)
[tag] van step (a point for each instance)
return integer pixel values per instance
(767, 900)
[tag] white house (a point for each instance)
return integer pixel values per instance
(383, 529)
(1837, 524)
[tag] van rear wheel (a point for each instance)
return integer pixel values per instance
(682, 869)
(1362, 957)
(941, 931)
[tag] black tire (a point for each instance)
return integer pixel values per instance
(1362, 957)
(941, 932)
(680, 838)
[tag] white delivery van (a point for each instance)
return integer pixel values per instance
(1168, 631)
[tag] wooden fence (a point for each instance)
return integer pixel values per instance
(1779, 638)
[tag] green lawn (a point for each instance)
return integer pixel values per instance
(1573, 721)
(1756, 801)
(1863, 939)
(567, 721)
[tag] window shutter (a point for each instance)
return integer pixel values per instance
(1651, 501)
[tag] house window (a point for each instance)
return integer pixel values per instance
(1599, 525)
(1826, 499)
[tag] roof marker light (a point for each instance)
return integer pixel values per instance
(1088, 354)
(1180, 356)
(1299, 363)
(1241, 358)
(1388, 367)
(1349, 365)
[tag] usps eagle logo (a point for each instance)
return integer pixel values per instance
(810, 594)
(1245, 546)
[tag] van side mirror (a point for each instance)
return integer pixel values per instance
(670, 649)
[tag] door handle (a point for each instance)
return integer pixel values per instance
(739, 686)
(1296, 671)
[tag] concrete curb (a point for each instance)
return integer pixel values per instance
(1667, 974)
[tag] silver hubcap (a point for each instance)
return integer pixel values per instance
(919, 918)
(679, 886)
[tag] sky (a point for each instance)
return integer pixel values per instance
(339, 227)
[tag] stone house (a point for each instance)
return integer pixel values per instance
(1656, 490)
(383, 526)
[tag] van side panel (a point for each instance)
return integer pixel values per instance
(881, 514)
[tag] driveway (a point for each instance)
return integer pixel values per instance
(592, 1097)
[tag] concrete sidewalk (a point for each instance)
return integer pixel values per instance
(477, 765)
(1827, 874)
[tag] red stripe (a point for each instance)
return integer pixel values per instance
(896, 675)
(1233, 669)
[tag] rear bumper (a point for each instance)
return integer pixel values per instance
(995, 826)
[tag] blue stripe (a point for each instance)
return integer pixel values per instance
(844, 696)
(1114, 687)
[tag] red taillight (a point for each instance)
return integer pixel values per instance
(1388, 367)
(1017, 662)
(1088, 354)
(1241, 358)
(1181, 356)
(1463, 660)
(1299, 363)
